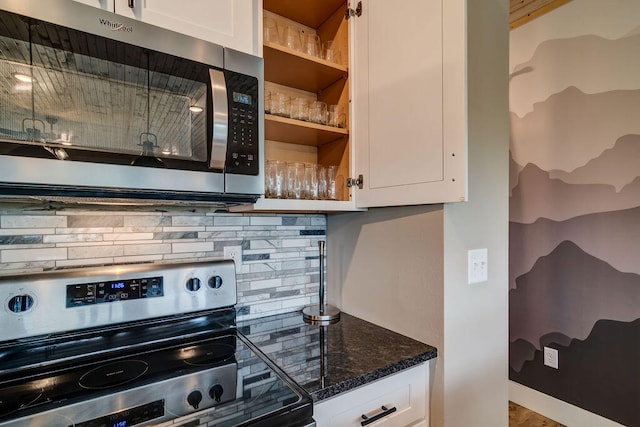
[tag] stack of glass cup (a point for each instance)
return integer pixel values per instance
(281, 104)
(297, 180)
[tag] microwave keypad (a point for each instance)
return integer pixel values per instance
(243, 139)
(242, 145)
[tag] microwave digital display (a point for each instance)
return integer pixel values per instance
(242, 98)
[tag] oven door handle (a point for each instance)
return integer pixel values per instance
(218, 156)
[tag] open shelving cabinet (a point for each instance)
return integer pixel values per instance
(302, 75)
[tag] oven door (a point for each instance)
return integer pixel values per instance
(89, 114)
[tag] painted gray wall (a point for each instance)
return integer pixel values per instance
(386, 266)
(476, 316)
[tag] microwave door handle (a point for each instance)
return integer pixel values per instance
(220, 120)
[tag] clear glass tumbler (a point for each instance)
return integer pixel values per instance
(295, 180)
(271, 30)
(311, 181)
(300, 109)
(318, 112)
(292, 38)
(275, 179)
(267, 102)
(331, 182)
(312, 45)
(336, 116)
(322, 182)
(331, 53)
(280, 104)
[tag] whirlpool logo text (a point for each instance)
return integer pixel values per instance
(115, 26)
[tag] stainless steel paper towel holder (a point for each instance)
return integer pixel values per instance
(321, 313)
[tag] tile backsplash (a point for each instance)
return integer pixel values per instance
(279, 270)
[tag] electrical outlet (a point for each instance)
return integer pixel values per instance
(551, 357)
(477, 265)
(234, 253)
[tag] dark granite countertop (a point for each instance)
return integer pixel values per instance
(355, 352)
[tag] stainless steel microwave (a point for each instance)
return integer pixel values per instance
(95, 105)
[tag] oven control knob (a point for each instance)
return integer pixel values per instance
(193, 284)
(215, 282)
(216, 392)
(20, 303)
(194, 398)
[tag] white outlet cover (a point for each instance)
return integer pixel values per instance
(478, 268)
(551, 357)
(234, 253)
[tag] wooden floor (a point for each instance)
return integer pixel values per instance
(520, 416)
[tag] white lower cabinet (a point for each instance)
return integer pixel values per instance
(399, 400)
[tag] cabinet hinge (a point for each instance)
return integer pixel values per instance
(355, 181)
(351, 12)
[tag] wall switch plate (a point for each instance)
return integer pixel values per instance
(477, 265)
(234, 253)
(551, 357)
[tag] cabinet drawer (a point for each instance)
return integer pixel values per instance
(403, 396)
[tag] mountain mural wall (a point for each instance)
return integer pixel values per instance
(572, 127)
(591, 62)
(574, 232)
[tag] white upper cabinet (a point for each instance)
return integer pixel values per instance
(230, 23)
(404, 87)
(102, 4)
(409, 102)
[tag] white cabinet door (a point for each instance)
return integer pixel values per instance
(409, 102)
(230, 23)
(102, 4)
(401, 399)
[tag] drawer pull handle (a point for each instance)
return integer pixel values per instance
(383, 413)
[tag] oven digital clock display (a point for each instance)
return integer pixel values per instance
(117, 290)
(129, 417)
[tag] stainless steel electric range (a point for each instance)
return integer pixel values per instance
(136, 345)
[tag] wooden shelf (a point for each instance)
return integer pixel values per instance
(298, 132)
(311, 13)
(296, 69)
(294, 205)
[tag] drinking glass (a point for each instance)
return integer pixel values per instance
(322, 182)
(292, 38)
(267, 102)
(330, 52)
(331, 182)
(318, 112)
(299, 109)
(312, 45)
(271, 30)
(336, 116)
(275, 181)
(295, 180)
(281, 104)
(311, 181)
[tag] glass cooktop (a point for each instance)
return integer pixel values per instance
(217, 376)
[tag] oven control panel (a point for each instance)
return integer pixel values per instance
(34, 304)
(115, 290)
(128, 417)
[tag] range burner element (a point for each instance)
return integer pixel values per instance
(81, 357)
(113, 374)
(208, 354)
